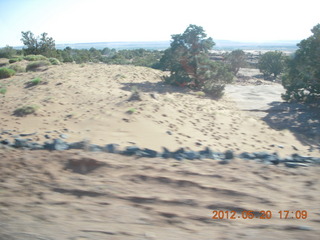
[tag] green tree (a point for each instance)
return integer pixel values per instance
(272, 63)
(7, 52)
(302, 80)
(188, 61)
(42, 44)
(236, 59)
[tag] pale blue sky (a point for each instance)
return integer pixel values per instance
(76, 21)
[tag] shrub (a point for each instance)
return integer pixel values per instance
(302, 81)
(236, 59)
(7, 52)
(25, 110)
(3, 90)
(54, 61)
(17, 68)
(6, 72)
(189, 63)
(35, 65)
(35, 81)
(271, 63)
(16, 59)
(35, 58)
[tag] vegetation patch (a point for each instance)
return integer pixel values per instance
(54, 61)
(6, 72)
(16, 59)
(25, 110)
(3, 90)
(17, 68)
(35, 57)
(34, 66)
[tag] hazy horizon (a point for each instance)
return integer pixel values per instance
(83, 21)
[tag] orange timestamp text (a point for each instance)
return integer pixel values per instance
(264, 214)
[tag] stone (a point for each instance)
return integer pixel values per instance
(6, 142)
(191, 155)
(295, 164)
(36, 146)
(20, 143)
(166, 153)
(246, 155)
(111, 148)
(47, 136)
(148, 153)
(224, 162)
(131, 150)
(261, 155)
(206, 153)
(63, 136)
(95, 148)
(27, 134)
(77, 145)
(57, 145)
(228, 154)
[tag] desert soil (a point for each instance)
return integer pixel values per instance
(85, 195)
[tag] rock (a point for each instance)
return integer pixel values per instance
(111, 148)
(20, 143)
(47, 136)
(169, 132)
(295, 164)
(206, 153)
(95, 148)
(36, 146)
(246, 155)
(131, 150)
(191, 155)
(63, 136)
(147, 153)
(166, 153)
(261, 155)
(228, 154)
(57, 145)
(27, 134)
(6, 142)
(78, 145)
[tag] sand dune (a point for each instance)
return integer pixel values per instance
(80, 195)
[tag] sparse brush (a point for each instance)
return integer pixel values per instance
(35, 57)
(3, 90)
(131, 111)
(17, 68)
(6, 72)
(16, 59)
(54, 61)
(35, 65)
(25, 110)
(35, 81)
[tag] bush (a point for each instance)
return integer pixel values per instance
(25, 110)
(302, 81)
(54, 61)
(3, 90)
(236, 59)
(16, 59)
(271, 63)
(189, 63)
(35, 65)
(6, 72)
(17, 68)
(7, 52)
(35, 58)
(35, 81)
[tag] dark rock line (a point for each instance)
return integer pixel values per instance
(293, 161)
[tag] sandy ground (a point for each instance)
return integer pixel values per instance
(80, 195)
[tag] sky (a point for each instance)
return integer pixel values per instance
(81, 21)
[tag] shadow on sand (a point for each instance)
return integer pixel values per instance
(302, 120)
(158, 87)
